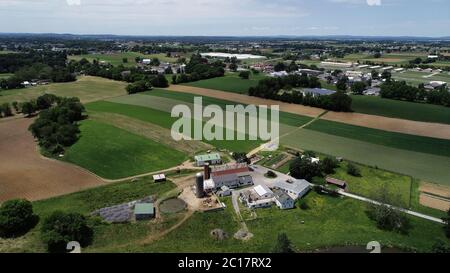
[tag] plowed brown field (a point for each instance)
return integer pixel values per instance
(24, 173)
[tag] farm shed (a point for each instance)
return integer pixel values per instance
(144, 211)
(159, 178)
(212, 159)
(333, 181)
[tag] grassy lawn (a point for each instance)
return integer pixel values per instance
(89, 200)
(401, 109)
(114, 153)
(395, 140)
(328, 222)
(117, 58)
(423, 166)
(230, 83)
(372, 179)
(86, 88)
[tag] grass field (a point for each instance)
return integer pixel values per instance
(401, 109)
(416, 78)
(5, 75)
(117, 59)
(114, 153)
(395, 140)
(328, 222)
(230, 83)
(427, 167)
(86, 88)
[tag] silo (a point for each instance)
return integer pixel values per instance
(199, 186)
(207, 171)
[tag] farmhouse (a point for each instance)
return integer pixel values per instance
(435, 85)
(232, 176)
(211, 159)
(283, 201)
(295, 188)
(146, 61)
(375, 91)
(258, 197)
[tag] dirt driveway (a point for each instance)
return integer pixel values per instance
(24, 173)
(435, 130)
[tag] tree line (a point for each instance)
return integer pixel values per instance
(199, 68)
(56, 127)
(34, 65)
(139, 80)
(282, 88)
(400, 90)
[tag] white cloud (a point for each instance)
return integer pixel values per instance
(374, 2)
(73, 2)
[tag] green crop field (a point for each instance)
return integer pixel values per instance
(163, 119)
(427, 167)
(117, 58)
(230, 83)
(285, 118)
(401, 109)
(86, 88)
(114, 153)
(395, 140)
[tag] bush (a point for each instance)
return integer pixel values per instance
(271, 174)
(353, 170)
(328, 165)
(244, 75)
(139, 86)
(16, 218)
(283, 244)
(61, 228)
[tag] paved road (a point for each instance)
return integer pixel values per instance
(410, 212)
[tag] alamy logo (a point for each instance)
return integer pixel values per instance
(237, 122)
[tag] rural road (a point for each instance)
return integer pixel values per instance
(410, 212)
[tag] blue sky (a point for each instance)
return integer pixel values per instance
(228, 17)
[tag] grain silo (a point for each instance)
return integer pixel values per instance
(200, 193)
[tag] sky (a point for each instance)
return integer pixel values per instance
(228, 17)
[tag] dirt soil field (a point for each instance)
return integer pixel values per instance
(24, 173)
(435, 196)
(376, 122)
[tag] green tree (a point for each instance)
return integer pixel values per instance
(283, 244)
(233, 67)
(6, 109)
(358, 88)
(328, 165)
(124, 60)
(28, 108)
(61, 228)
(342, 84)
(280, 67)
(385, 215)
(303, 168)
(16, 218)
